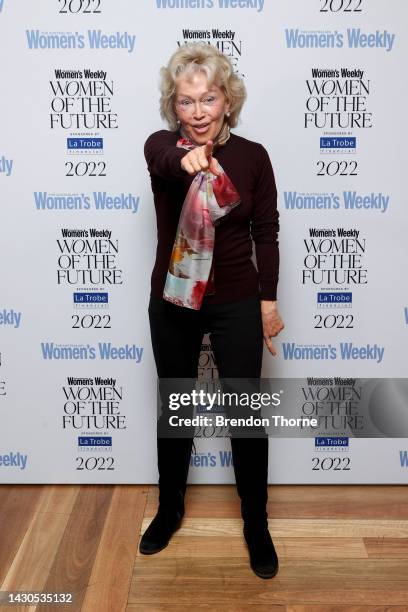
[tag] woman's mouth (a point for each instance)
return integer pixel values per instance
(201, 128)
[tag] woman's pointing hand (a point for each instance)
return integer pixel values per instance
(200, 159)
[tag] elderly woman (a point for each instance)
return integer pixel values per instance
(214, 192)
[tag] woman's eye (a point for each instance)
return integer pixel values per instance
(210, 99)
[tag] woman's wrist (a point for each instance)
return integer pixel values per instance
(269, 304)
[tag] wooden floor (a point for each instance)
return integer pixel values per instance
(339, 548)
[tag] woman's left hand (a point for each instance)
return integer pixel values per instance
(271, 322)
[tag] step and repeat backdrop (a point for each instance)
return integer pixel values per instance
(327, 93)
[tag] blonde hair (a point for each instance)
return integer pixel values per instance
(199, 56)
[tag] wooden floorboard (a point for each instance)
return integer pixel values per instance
(340, 549)
(17, 507)
(355, 501)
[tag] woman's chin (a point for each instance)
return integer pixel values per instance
(202, 136)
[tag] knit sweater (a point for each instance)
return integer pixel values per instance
(256, 219)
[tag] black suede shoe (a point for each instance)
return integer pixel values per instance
(262, 553)
(158, 534)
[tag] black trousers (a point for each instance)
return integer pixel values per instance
(236, 335)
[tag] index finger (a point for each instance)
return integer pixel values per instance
(270, 346)
(208, 148)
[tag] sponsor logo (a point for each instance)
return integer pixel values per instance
(103, 351)
(93, 405)
(95, 442)
(337, 99)
(90, 298)
(331, 443)
(334, 299)
(334, 143)
(13, 459)
(334, 257)
(88, 257)
(334, 260)
(99, 200)
(348, 200)
(92, 39)
(10, 317)
(354, 38)
(84, 145)
(82, 102)
(345, 351)
(336, 102)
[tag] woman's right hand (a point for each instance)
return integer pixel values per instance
(200, 159)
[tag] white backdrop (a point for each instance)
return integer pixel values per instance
(79, 98)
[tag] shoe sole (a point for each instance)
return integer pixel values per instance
(156, 550)
(265, 576)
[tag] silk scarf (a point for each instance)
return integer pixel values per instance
(190, 275)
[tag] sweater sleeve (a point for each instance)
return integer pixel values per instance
(265, 228)
(163, 157)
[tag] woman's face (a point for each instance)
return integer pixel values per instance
(200, 108)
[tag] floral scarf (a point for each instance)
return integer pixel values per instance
(191, 275)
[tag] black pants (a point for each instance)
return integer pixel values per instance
(236, 336)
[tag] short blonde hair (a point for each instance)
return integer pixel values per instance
(199, 56)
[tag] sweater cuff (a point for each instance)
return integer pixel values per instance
(268, 293)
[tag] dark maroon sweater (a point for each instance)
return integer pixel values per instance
(248, 166)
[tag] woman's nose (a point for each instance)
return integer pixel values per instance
(198, 111)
